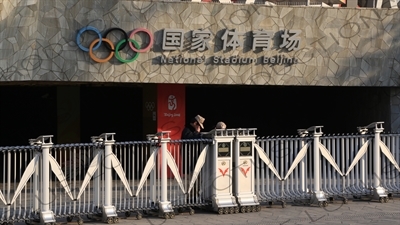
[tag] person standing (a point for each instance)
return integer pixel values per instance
(193, 129)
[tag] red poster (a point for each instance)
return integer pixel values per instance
(171, 109)
(171, 116)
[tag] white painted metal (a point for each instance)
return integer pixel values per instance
(328, 156)
(299, 158)
(359, 155)
(174, 169)
(165, 206)
(150, 165)
(220, 172)
(391, 175)
(394, 4)
(30, 169)
(139, 161)
(243, 168)
(378, 4)
(264, 157)
(116, 165)
(108, 209)
(55, 167)
(46, 215)
(377, 160)
(22, 204)
(107, 172)
(282, 171)
(199, 165)
(191, 156)
(318, 195)
(93, 168)
(385, 150)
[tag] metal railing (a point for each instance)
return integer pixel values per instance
(43, 181)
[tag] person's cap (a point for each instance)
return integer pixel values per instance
(200, 120)
(220, 125)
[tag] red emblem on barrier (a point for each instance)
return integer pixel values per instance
(244, 171)
(223, 172)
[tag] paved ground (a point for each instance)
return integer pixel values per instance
(355, 212)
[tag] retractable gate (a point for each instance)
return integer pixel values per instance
(316, 169)
(230, 171)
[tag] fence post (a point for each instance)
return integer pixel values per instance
(317, 166)
(46, 215)
(379, 193)
(377, 159)
(318, 195)
(108, 209)
(165, 207)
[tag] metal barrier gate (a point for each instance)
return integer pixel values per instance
(292, 169)
(231, 171)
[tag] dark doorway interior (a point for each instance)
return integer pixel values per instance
(280, 110)
(111, 109)
(27, 112)
(30, 111)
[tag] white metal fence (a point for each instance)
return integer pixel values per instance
(44, 181)
(348, 167)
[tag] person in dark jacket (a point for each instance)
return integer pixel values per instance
(193, 129)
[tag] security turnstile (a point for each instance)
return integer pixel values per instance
(219, 168)
(243, 170)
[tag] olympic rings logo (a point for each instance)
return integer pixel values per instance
(94, 45)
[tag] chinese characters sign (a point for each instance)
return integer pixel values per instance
(173, 39)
